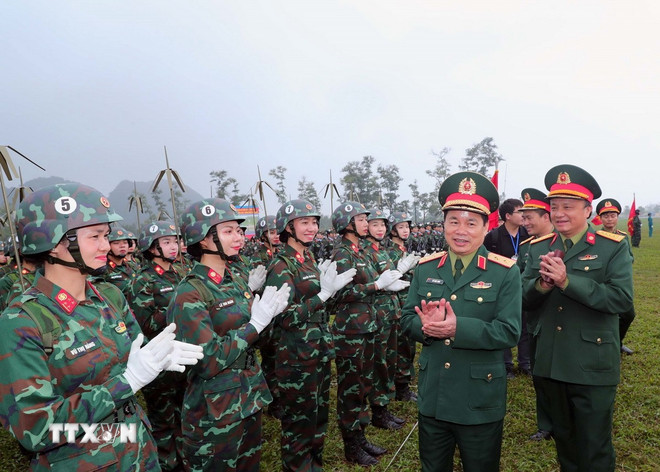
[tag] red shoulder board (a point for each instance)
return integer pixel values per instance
(355, 248)
(543, 238)
(159, 270)
(66, 301)
(213, 275)
(501, 260)
(481, 262)
(611, 236)
(432, 257)
(591, 238)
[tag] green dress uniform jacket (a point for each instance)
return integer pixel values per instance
(463, 380)
(578, 328)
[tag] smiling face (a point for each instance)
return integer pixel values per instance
(230, 236)
(464, 231)
(305, 228)
(93, 245)
(377, 229)
(168, 245)
(569, 215)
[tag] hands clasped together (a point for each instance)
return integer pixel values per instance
(438, 319)
(553, 269)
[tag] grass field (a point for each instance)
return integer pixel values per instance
(636, 416)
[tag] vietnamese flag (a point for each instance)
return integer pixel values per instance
(596, 220)
(494, 216)
(631, 216)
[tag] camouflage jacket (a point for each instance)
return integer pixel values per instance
(11, 287)
(262, 256)
(221, 389)
(240, 267)
(386, 304)
(151, 292)
(121, 276)
(304, 336)
(354, 303)
(81, 381)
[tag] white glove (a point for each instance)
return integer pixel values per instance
(386, 278)
(257, 278)
(407, 262)
(331, 281)
(271, 303)
(145, 363)
(397, 285)
(184, 354)
(323, 264)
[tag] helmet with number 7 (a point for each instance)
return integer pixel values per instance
(45, 216)
(152, 231)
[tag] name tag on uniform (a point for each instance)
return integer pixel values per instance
(115, 277)
(309, 276)
(226, 303)
(435, 281)
(361, 264)
(83, 348)
(166, 289)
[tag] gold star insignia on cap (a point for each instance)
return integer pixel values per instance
(608, 204)
(563, 178)
(467, 186)
(527, 197)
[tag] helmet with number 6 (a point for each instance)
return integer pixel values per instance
(198, 219)
(344, 214)
(45, 216)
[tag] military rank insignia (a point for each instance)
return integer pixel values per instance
(121, 327)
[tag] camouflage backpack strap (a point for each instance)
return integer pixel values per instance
(112, 295)
(49, 327)
(203, 290)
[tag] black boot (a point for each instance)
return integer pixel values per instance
(353, 450)
(394, 418)
(404, 394)
(370, 448)
(381, 419)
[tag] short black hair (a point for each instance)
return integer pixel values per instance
(483, 217)
(508, 206)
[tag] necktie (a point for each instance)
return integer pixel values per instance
(458, 267)
(568, 243)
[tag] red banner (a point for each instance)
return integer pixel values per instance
(631, 216)
(494, 217)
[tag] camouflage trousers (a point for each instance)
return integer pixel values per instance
(164, 397)
(305, 397)
(355, 364)
(385, 363)
(235, 447)
(406, 347)
(267, 345)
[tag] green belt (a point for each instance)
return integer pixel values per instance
(246, 360)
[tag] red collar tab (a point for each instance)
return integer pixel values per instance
(591, 238)
(66, 301)
(269, 252)
(402, 248)
(299, 257)
(355, 248)
(553, 239)
(481, 262)
(159, 270)
(112, 264)
(213, 275)
(375, 246)
(442, 260)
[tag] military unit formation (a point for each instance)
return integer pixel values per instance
(216, 330)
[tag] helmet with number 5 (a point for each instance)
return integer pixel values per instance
(45, 216)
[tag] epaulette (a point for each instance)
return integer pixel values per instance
(432, 257)
(607, 235)
(531, 238)
(501, 260)
(542, 238)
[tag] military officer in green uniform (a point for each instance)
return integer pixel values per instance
(577, 281)
(465, 307)
(536, 220)
(608, 209)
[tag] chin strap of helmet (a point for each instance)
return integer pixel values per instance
(350, 229)
(292, 232)
(78, 262)
(160, 254)
(219, 251)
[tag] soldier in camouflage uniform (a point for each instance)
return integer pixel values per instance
(388, 310)
(399, 223)
(151, 292)
(118, 272)
(305, 347)
(354, 331)
(10, 284)
(77, 361)
(215, 308)
(133, 257)
(267, 239)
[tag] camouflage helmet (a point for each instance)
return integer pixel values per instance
(118, 233)
(154, 230)
(201, 216)
(345, 212)
(292, 210)
(265, 224)
(376, 214)
(399, 217)
(45, 215)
